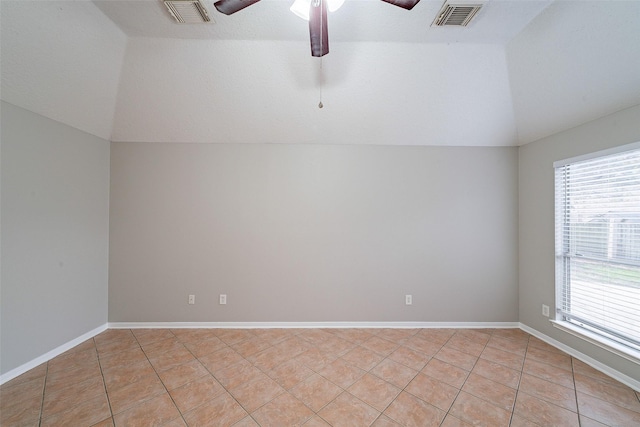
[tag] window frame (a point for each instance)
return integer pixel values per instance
(575, 328)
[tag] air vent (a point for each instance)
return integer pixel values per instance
(188, 11)
(456, 14)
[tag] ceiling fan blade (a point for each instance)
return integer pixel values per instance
(318, 28)
(229, 7)
(405, 4)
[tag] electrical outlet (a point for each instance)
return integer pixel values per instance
(408, 299)
(192, 299)
(545, 310)
(223, 299)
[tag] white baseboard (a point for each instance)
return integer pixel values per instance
(287, 325)
(619, 376)
(50, 355)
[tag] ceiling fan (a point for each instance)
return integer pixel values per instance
(317, 18)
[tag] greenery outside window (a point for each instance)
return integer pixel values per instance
(597, 200)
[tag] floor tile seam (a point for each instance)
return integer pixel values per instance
(201, 405)
(536, 422)
(337, 385)
(74, 407)
(262, 371)
(389, 404)
(352, 395)
(44, 386)
(606, 402)
(548, 364)
(513, 339)
(521, 370)
(575, 387)
(379, 415)
(421, 400)
(259, 407)
(77, 403)
(551, 350)
(488, 401)
(239, 404)
(548, 380)
(8, 392)
(105, 343)
(321, 417)
(552, 403)
(9, 384)
(404, 389)
(575, 390)
(515, 401)
(64, 357)
(249, 382)
(467, 379)
(391, 360)
(511, 413)
(608, 380)
(161, 382)
(110, 353)
(616, 385)
(428, 403)
(510, 351)
(158, 340)
(502, 364)
(145, 400)
(430, 358)
(322, 407)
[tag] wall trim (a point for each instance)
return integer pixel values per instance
(6, 377)
(298, 325)
(617, 375)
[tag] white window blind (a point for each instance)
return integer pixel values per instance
(598, 245)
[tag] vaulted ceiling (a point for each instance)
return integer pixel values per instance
(124, 71)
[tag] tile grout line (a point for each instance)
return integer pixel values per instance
(385, 358)
(515, 399)
(249, 414)
(575, 391)
(104, 381)
(156, 372)
(344, 390)
(221, 385)
(414, 377)
(44, 387)
(317, 342)
(466, 379)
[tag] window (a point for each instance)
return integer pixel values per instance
(598, 248)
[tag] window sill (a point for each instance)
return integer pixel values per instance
(602, 342)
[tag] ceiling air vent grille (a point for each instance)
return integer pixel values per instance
(188, 11)
(456, 14)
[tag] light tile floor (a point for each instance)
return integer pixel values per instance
(316, 377)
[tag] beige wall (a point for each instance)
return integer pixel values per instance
(312, 233)
(55, 235)
(536, 194)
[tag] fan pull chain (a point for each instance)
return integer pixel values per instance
(320, 105)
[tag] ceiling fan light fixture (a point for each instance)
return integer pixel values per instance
(334, 5)
(301, 7)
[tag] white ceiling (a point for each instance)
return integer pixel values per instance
(357, 21)
(122, 70)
